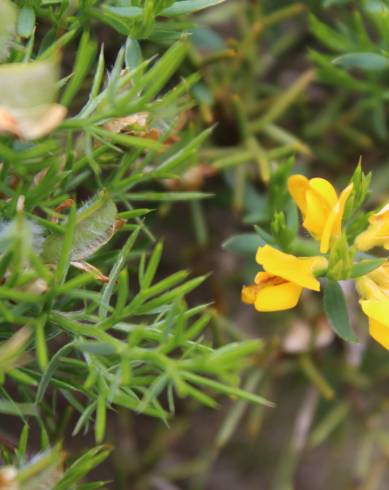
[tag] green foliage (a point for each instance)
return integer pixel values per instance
(361, 185)
(114, 332)
(280, 231)
(336, 310)
(340, 259)
(365, 266)
(246, 243)
(45, 470)
(135, 138)
(358, 61)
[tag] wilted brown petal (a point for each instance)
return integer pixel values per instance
(33, 122)
(86, 267)
(8, 123)
(121, 123)
(38, 286)
(192, 179)
(8, 478)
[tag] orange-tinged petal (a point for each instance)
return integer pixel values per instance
(262, 277)
(297, 186)
(333, 226)
(278, 298)
(249, 294)
(294, 269)
(379, 332)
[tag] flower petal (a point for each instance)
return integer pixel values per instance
(324, 189)
(368, 289)
(316, 214)
(34, 122)
(377, 234)
(377, 310)
(297, 186)
(333, 226)
(383, 214)
(278, 298)
(321, 198)
(294, 269)
(249, 293)
(381, 276)
(379, 332)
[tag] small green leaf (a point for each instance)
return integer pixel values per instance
(152, 266)
(167, 196)
(97, 348)
(329, 37)
(26, 22)
(133, 54)
(361, 184)
(43, 471)
(336, 311)
(94, 227)
(23, 440)
(101, 416)
(280, 230)
(189, 6)
(40, 343)
(128, 12)
(51, 368)
(79, 468)
(65, 248)
(245, 243)
(362, 61)
(7, 27)
(365, 266)
(85, 57)
(226, 390)
(376, 7)
(10, 407)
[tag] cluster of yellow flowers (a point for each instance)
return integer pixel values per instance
(280, 284)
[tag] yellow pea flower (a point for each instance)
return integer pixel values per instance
(374, 290)
(320, 206)
(271, 293)
(377, 234)
(280, 286)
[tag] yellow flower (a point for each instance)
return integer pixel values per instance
(280, 286)
(378, 314)
(377, 234)
(320, 206)
(271, 293)
(374, 290)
